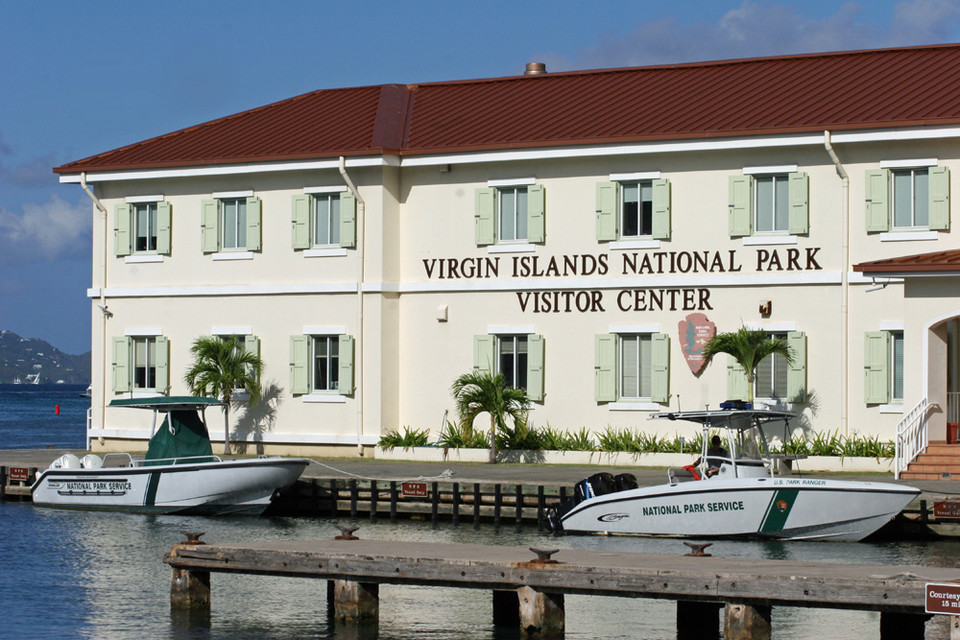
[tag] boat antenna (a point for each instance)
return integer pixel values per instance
(678, 403)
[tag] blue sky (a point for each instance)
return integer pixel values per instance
(78, 78)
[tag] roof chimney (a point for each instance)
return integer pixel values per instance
(535, 69)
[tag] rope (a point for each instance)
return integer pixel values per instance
(443, 475)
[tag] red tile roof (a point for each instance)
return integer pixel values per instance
(937, 262)
(913, 86)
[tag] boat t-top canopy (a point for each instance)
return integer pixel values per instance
(726, 418)
(167, 403)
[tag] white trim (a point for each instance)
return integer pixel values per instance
(142, 199)
(630, 177)
(520, 247)
(908, 236)
(633, 406)
(891, 408)
(856, 277)
(891, 325)
(512, 182)
(223, 290)
(635, 328)
(628, 245)
(771, 327)
(223, 195)
(770, 240)
(333, 189)
(332, 252)
(760, 171)
(908, 164)
(231, 331)
(277, 438)
(233, 255)
(323, 330)
(143, 258)
(143, 333)
(330, 398)
(505, 329)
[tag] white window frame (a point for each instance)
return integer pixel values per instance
(631, 404)
(329, 339)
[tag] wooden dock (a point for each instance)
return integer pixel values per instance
(528, 591)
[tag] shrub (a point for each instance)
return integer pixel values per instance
(409, 438)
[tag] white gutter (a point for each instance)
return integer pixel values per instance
(104, 313)
(358, 356)
(844, 282)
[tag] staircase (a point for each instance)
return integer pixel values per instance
(940, 461)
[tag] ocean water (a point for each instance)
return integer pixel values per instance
(66, 574)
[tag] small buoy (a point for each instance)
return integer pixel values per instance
(58, 409)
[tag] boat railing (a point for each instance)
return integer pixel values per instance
(912, 437)
(120, 460)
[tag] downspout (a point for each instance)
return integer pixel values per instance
(844, 283)
(358, 356)
(104, 313)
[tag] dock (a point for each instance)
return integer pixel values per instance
(528, 585)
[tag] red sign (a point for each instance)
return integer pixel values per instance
(19, 473)
(942, 598)
(946, 510)
(413, 489)
(695, 331)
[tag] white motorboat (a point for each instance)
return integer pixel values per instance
(737, 495)
(179, 473)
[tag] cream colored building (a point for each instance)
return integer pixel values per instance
(374, 243)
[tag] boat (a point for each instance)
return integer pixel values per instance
(735, 495)
(178, 475)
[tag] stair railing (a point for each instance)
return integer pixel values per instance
(912, 437)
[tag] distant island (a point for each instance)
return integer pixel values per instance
(34, 361)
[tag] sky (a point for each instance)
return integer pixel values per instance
(79, 78)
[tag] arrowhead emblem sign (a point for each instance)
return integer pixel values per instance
(695, 331)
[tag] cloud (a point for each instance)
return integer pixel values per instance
(50, 231)
(761, 29)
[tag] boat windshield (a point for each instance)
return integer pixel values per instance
(750, 442)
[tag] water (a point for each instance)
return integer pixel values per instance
(28, 418)
(72, 574)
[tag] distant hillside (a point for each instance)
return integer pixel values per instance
(25, 358)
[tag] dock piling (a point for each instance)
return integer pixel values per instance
(746, 622)
(356, 602)
(541, 614)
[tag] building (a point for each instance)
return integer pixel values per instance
(578, 231)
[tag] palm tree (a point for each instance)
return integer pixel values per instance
(748, 347)
(221, 368)
(480, 391)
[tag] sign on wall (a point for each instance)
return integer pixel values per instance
(695, 331)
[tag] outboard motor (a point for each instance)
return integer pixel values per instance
(626, 481)
(602, 483)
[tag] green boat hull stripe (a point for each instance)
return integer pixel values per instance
(778, 510)
(150, 498)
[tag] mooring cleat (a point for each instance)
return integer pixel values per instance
(346, 533)
(543, 556)
(193, 537)
(697, 549)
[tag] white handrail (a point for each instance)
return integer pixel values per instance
(912, 437)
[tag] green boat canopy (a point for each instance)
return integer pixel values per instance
(183, 433)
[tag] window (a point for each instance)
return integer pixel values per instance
(231, 223)
(775, 378)
(883, 367)
(765, 201)
(244, 342)
(324, 218)
(142, 227)
(907, 198)
(321, 364)
(518, 356)
(141, 363)
(630, 208)
(509, 212)
(771, 375)
(632, 366)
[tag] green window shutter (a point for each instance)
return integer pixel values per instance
(251, 344)
(737, 385)
(741, 206)
(254, 215)
(535, 368)
(605, 367)
(121, 364)
(346, 365)
(348, 220)
(661, 209)
(536, 213)
(485, 226)
(799, 188)
(797, 372)
(940, 198)
(164, 228)
(484, 353)
(210, 226)
(608, 206)
(163, 364)
(876, 356)
(122, 238)
(300, 221)
(877, 192)
(660, 368)
(299, 356)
